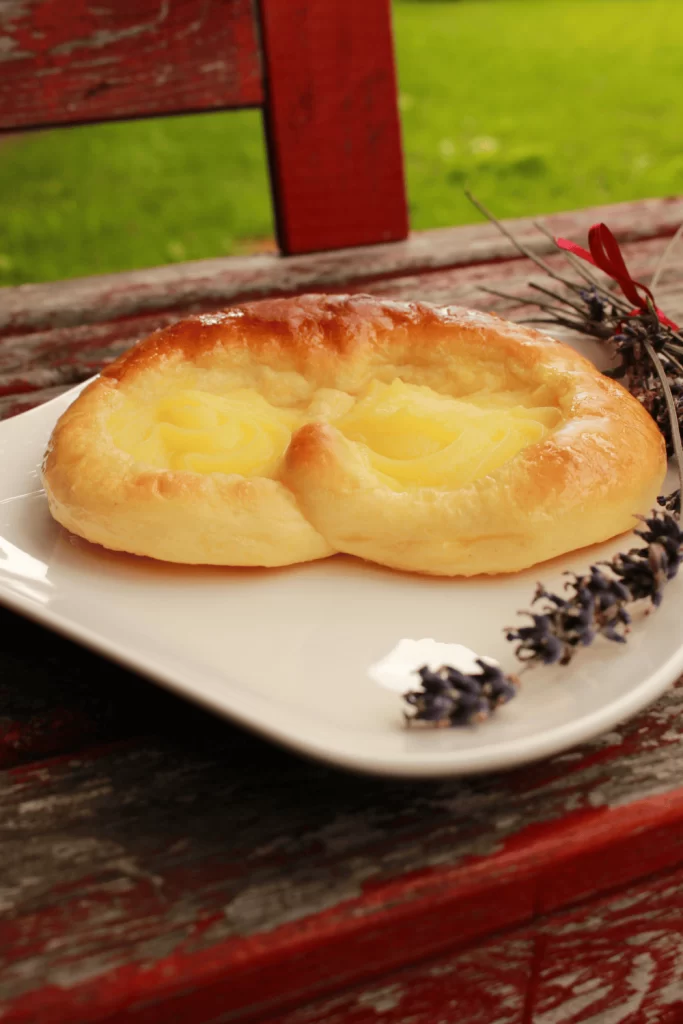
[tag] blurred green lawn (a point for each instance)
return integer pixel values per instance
(537, 105)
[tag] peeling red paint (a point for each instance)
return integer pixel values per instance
(76, 62)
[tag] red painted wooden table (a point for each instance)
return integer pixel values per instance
(158, 865)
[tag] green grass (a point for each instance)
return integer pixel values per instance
(538, 105)
(118, 196)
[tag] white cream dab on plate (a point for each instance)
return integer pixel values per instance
(396, 671)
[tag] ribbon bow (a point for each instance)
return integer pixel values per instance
(605, 254)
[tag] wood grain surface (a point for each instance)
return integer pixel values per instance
(76, 62)
(619, 961)
(146, 873)
(488, 985)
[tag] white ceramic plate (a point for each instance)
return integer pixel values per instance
(287, 652)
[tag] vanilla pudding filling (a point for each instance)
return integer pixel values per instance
(413, 436)
(409, 434)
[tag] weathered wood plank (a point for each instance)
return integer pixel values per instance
(486, 986)
(77, 62)
(619, 961)
(46, 361)
(332, 123)
(213, 283)
(139, 875)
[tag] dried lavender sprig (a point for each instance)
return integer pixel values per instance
(524, 250)
(672, 359)
(560, 321)
(591, 277)
(520, 246)
(560, 298)
(671, 408)
(671, 502)
(556, 316)
(597, 293)
(581, 268)
(597, 602)
(510, 297)
(597, 319)
(449, 697)
(604, 319)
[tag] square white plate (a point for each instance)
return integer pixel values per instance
(286, 652)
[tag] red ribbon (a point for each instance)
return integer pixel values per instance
(605, 254)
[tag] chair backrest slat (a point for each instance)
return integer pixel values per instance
(77, 61)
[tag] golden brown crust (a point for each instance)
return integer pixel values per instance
(580, 485)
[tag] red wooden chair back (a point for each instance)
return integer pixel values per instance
(322, 71)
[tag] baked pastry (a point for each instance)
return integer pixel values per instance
(438, 440)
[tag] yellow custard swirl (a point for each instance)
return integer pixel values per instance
(411, 435)
(415, 437)
(206, 433)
